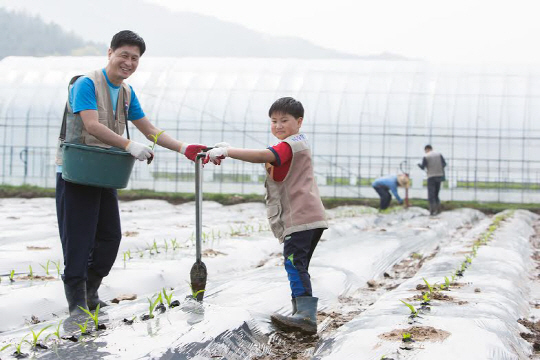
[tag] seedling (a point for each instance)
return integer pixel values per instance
(168, 298)
(155, 138)
(468, 260)
(129, 254)
(46, 267)
(19, 346)
(152, 306)
(426, 299)
(166, 245)
(454, 276)
(57, 332)
(83, 327)
(31, 272)
(194, 294)
(447, 283)
(93, 316)
(406, 337)
(430, 288)
(414, 312)
(57, 264)
(155, 247)
(5, 347)
(463, 266)
(36, 336)
(11, 275)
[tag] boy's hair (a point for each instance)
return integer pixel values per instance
(428, 147)
(287, 105)
(128, 37)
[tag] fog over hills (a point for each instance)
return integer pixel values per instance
(169, 33)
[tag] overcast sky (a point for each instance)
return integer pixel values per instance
(461, 31)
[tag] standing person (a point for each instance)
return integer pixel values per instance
(384, 185)
(98, 106)
(294, 208)
(434, 164)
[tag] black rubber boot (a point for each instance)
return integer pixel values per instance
(76, 296)
(293, 302)
(92, 286)
(305, 318)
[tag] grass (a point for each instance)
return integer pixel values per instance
(29, 191)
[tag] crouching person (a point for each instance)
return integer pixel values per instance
(294, 208)
(385, 184)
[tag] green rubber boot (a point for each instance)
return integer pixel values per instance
(305, 318)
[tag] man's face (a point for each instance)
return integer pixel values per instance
(123, 61)
(285, 125)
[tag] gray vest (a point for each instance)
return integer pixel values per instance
(75, 132)
(434, 165)
(294, 204)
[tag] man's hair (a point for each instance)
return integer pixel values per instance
(428, 147)
(287, 105)
(128, 37)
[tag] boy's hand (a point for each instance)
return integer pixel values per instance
(216, 155)
(222, 145)
(191, 150)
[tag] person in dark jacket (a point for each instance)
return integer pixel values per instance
(434, 164)
(384, 185)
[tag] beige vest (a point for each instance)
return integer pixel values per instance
(294, 204)
(75, 132)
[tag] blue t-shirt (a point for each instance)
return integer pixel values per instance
(83, 97)
(391, 183)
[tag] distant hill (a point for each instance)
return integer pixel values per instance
(26, 35)
(169, 33)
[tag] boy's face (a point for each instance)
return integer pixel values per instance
(285, 125)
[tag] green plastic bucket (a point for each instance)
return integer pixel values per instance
(95, 166)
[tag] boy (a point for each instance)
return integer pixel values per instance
(294, 208)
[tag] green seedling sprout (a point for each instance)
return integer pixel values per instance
(174, 244)
(57, 264)
(141, 253)
(124, 253)
(168, 298)
(468, 260)
(36, 336)
(426, 298)
(155, 247)
(454, 276)
(152, 305)
(166, 245)
(18, 346)
(5, 347)
(447, 282)
(406, 337)
(414, 312)
(11, 275)
(129, 254)
(430, 288)
(155, 138)
(93, 316)
(57, 332)
(194, 294)
(463, 266)
(30, 272)
(83, 326)
(46, 267)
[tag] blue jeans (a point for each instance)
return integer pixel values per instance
(89, 226)
(384, 194)
(298, 248)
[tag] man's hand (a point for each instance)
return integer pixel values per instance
(139, 151)
(216, 155)
(191, 150)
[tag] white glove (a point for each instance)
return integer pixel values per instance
(222, 145)
(139, 151)
(216, 155)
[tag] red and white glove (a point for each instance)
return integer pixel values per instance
(216, 155)
(139, 151)
(191, 150)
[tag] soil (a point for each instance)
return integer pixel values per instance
(38, 248)
(418, 333)
(36, 277)
(282, 345)
(123, 297)
(533, 337)
(212, 253)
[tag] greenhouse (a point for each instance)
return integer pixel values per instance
(364, 119)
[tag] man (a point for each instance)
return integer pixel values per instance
(98, 107)
(434, 164)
